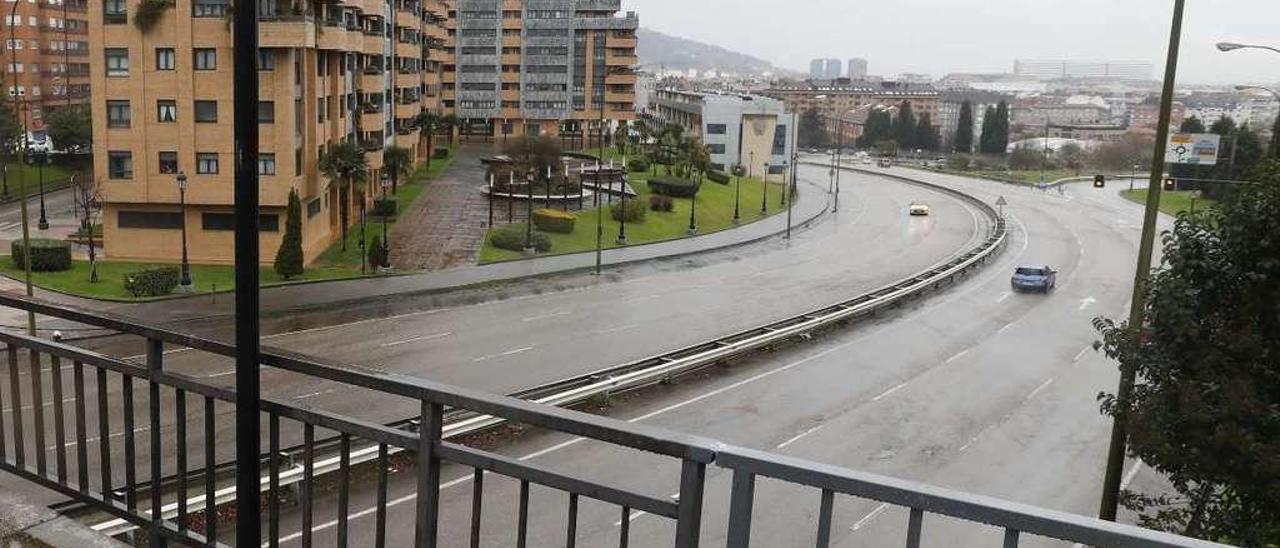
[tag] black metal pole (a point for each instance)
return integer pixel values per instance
(511, 204)
(599, 222)
(363, 239)
(791, 188)
(1137, 307)
(490, 200)
(186, 266)
(5, 193)
(248, 405)
(622, 212)
(528, 220)
(737, 195)
(693, 214)
(764, 191)
(42, 157)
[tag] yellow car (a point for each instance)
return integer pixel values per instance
(918, 209)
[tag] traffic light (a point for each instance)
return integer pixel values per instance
(1099, 181)
(1170, 184)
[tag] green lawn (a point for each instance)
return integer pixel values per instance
(1030, 177)
(1171, 202)
(715, 213)
(331, 264)
(55, 177)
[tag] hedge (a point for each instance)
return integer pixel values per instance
(384, 207)
(47, 255)
(440, 153)
(152, 282)
(638, 165)
(674, 187)
(658, 202)
(633, 210)
(511, 238)
(554, 220)
(718, 177)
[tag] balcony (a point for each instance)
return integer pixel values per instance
(409, 110)
(286, 31)
(372, 44)
(371, 108)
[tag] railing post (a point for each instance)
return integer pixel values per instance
(155, 368)
(693, 475)
(741, 500)
(429, 427)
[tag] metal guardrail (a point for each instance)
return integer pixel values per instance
(65, 466)
(652, 370)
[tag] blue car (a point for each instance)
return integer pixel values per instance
(1032, 278)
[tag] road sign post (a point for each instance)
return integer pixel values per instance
(1000, 203)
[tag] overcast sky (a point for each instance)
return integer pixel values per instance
(941, 36)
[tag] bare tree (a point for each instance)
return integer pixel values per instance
(88, 196)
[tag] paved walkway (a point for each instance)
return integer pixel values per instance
(445, 227)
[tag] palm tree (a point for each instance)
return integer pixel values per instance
(429, 123)
(344, 163)
(396, 161)
(448, 122)
(621, 137)
(698, 157)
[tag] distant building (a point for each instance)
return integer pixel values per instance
(844, 97)
(832, 69)
(737, 129)
(1053, 69)
(856, 68)
(1039, 114)
(817, 69)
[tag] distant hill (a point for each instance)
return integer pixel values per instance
(675, 53)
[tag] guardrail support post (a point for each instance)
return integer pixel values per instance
(428, 474)
(692, 477)
(155, 368)
(741, 500)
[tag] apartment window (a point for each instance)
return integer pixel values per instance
(205, 58)
(227, 221)
(266, 164)
(114, 12)
(171, 220)
(168, 162)
(266, 112)
(12, 44)
(206, 111)
(118, 114)
(117, 61)
(165, 59)
(207, 163)
(313, 208)
(209, 8)
(166, 111)
(717, 129)
(119, 164)
(716, 148)
(266, 59)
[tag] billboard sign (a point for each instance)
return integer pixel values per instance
(1193, 149)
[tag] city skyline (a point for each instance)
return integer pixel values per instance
(1134, 31)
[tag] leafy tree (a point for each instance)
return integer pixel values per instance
(289, 257)
(10, 128)
(344, 163)
(1000, 142)
(1192, 124)
(963, 140)
(989, 129)
(904, 126)
(1274, 150)
(397, 161)
(1225, 126)
(534, 155)
(429, 124)
(812, 132)
(448, 122)
(621, 138)
(927, 136)
(88, 198)
(1025, 159)
(1125, 153)
(1250, 151)
(1072, 156)
(879, 127)
(698, 158)
(1206, 406)
(70, 127)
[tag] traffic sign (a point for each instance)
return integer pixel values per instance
(1193, 148)
(1001, 201)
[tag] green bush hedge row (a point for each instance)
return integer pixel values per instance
(674, 187)
(511, 238)
(638, 165)
(47, 255)
(718, 177)
(554, 220)
(384, 207)
(152, 282)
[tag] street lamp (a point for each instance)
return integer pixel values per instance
(184, 285)
(693, 213)
(764, 190)
(1232, 46)
(386, 244)
(737, 194)
(38, 158)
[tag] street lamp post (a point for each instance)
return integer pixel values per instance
(528, 220)
(1133, 176)
(386, 244)
(1232, 46)
(622, 209)
(184, 284)
(693, 214)
(737, 194)
(5, 193)
(764, 190)
(39, 158)
(791, 189)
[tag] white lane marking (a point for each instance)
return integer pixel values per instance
(227, 373)
(870, 516)
(501, 354)
(545, 316)
(615, 329)
(800, 436)
(1042, 386)
(1006, 327)
(1080, 354)
(1005, 296)
(574, 441)
(1086, 302)
(44, 404)
(886, 393)
(958, 355)
(970, 442)
(416, 339)
(316, 393)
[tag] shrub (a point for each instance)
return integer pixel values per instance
(658, 202)
(639, 164)
(47, 255)
(511, 238)
(554, 220)
(440, 153)
(152, 282)
(289, 258)
(631, 211)
(378, 253)
(384, 207)
(718, 177)
(674, 187)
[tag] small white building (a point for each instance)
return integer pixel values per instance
(749, 130)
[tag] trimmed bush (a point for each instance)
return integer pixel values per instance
(631, 211)
(658, 202)
(378, 253)
(511, 238)
(152, 282)
(637, 165)
(718, 177)
(674, 187)
(47, 255)
(384, 207)
(440, 153)
(554, 220)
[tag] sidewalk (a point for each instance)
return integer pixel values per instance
(810, 206)
(25, 523)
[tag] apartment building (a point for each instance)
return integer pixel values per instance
(540, 67)
(46, 56)
(329, 70)
(755, 132)
(844, 99)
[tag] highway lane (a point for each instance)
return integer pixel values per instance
(979, 389)
(508, 344)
